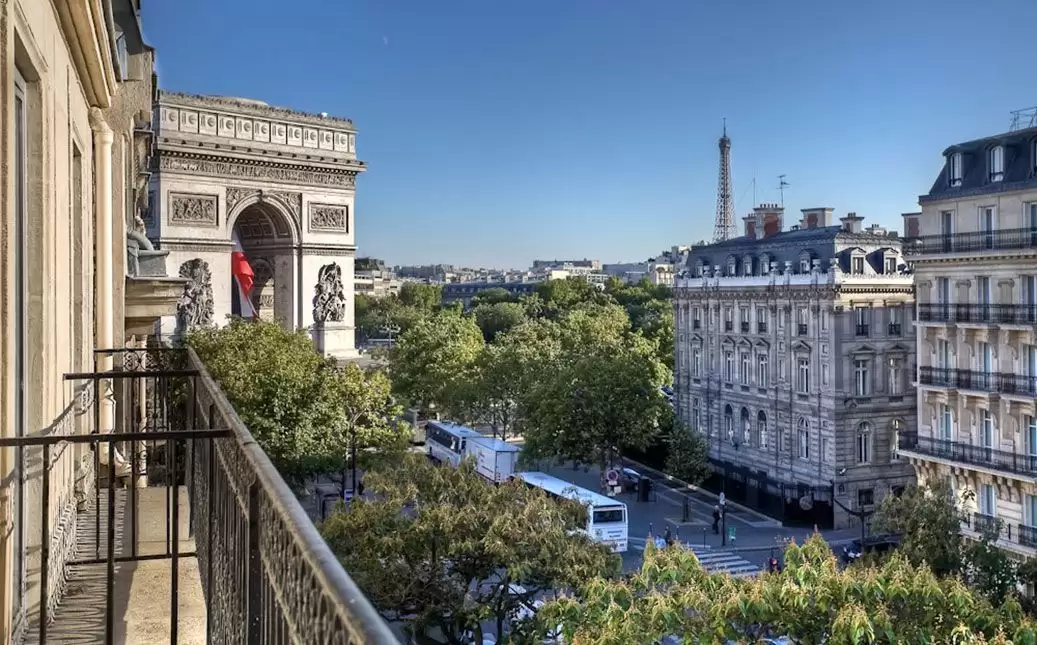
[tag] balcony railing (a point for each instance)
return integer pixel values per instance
(1027, 535)
(973, 242)
(978, 313)
(801, 329)
(696, 324)
(969, 454)
(267, 576)
(761, 328)
(993, 382)
(729, 325)
(862, 330)
(981, 522)
(894, 329)
(745, 327)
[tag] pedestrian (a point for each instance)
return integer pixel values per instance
(668, 537)
(360, 488)
(716, 519)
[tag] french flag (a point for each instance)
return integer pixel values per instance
(244, 278)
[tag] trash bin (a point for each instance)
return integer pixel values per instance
(644, 487)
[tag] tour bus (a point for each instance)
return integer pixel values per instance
(606, 518)
(447, 441)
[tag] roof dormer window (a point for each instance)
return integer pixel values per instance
(954, 169)
(996, 163)
(732, 266)
(747, 265)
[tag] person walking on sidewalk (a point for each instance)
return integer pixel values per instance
(716, 519)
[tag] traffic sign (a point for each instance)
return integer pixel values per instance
(612, 475)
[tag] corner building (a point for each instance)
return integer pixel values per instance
(793, 356)
(974, 251)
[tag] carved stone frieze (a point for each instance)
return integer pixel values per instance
(326, 217)
(195, 307)
(290, 201)
(271, 172)
(329, 300)
(194, 210)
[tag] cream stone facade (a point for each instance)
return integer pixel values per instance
(793, 356)
(284, 182)
(974, 251)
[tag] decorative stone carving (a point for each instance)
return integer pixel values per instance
(257, 171)
(195, 308)
(329, 300)
(195, 210)
(236, 195)
(291, 201)
(325, 217)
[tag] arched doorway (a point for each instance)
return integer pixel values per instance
(269, 242)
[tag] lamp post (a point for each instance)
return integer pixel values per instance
(862, 515)
(390, 329)
(352, 454)
(723, 519)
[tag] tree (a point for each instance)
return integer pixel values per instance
(687, 457)
(492, 296)
(558, 296)
(987, 567)
(434, 358)
(497, 318)
(811, 601)
(594, 404)
(423, 297)
(442, 548)
(929, 520)
(302, 410)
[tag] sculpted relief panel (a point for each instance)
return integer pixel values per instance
(326, 217)
(193, 210)
(256, 171)
(195, 307)
(329, 300)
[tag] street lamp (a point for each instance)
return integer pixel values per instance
(862, 515)
(390, 329)
(723, 519)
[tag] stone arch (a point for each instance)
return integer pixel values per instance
(277, 209)
(269, 236)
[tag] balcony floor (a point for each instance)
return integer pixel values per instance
(142, 589)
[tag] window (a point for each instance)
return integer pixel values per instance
(861, 377)
(863, 317)
(729, 323)
(761, 320)
(729, 422)
(732, 266)
(744, 320)
(696, 361)
(761, 429)
(729, 366)
(747, 265)
(954, 169)
(696, 415)
(985, 357)
(891, 265)
(988, 224)
(897, 427)
(866, 497)
(987, 500)
(983, 290)
(761, 370)
(857, 265)
(1031, 437)
(943, 291)
(123, 57)
(1030, 512)
(986, 431)
(946, 423)
(943, 354)
(996, 163)
(746, 371)
(801, 322)
(895, 321)
(803, 439)
(696, 318)
(864, 443)
(1030, 360)
(896, 376)
(747, 426)
(804, 263)
(1030, 298)
(803, 375)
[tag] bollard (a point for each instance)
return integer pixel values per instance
(685, 511)
(703, 536)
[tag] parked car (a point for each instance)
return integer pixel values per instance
(872, 544)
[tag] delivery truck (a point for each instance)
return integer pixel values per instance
(495, 459)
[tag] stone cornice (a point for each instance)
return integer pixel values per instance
(253, 108)
(254, 169)
(254, 156)
(209, 246)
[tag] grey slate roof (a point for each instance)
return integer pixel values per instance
(1020, 162)
(821, 244)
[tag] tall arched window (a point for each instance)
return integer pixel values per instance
(729, 422)
(803, 439)
(746, 425)
(864, 442)
(896, 428)
(761, 429)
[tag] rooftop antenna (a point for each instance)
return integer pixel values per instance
(782, 185)
(1023, 119)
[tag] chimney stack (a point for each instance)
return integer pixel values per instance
(769, 220)
(816, 217)
(912, 224)
(851, 222)
(750, 225)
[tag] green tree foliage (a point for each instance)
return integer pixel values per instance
(650, 308)
(302, 409)
(498, 317)
(492, 296)
(811, 601)
(441, 548)
(435, 359)
(929, 518)
(687, 457)
(987, 567)
(422, 297)
(559, 296)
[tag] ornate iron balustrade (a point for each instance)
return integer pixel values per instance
(994, 382)
(267, 575)
(862, 330)
(1027, 535)
(965, 453)
(981, 522)
(978, 313)
(972, 242)
(894, 329)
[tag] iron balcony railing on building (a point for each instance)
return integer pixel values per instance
(972, 242)
(267, 576)
(862, 330)
(801, 329)
(761, 328)
(993, 382)
(894, 329)
(1027, 535)
(982, 522)
(966, 453)
(729, 325)
(978, 313)
(696, 324)
(745, 327)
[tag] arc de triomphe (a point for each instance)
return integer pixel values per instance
(285, 183)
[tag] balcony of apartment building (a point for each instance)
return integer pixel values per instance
(971, 242)
(181, 531)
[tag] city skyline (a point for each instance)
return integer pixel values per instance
(495, 135)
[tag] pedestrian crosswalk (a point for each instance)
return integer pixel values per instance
(714, 561)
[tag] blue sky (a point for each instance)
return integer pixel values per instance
(499, 131)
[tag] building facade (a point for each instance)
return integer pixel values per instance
(794, 356)
(283, 183)
(973, 247)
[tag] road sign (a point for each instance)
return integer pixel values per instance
(723, 498)
(612, 475)
(730, 534)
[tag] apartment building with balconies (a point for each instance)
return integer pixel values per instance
(973, 248)
(794, 355)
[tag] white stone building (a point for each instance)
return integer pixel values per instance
(974, 251)
(794, 350)
(285, 182)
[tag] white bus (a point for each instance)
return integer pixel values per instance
(606, 518)
(447, 441)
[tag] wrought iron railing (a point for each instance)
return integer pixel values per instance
(1027, 535)
(894, 329)
(982, 522)
(1001, 460)
(862, 330)
(266, 574)
(978, 313)
(972, 242)
(994, 382)
(801, 329)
